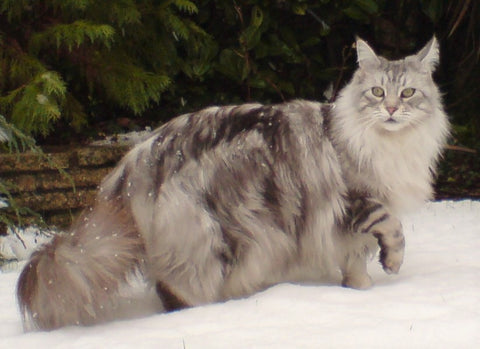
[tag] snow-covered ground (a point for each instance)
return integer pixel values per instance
(433, 303)
(19, 244)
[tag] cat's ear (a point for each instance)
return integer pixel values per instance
(366, 57)
(429, 55)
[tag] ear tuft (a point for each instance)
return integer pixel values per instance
(366, 57)
(429, 55)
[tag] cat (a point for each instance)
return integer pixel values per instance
(227, 201)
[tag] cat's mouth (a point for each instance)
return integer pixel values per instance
(391, 121)
(392, 124)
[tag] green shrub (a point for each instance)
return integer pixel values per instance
(61, 59)
(68, 65)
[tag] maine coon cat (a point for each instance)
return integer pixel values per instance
(228, 201)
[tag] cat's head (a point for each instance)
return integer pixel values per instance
(392, 95)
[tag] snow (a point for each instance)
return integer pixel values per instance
(433, 303)
(129, 138)
(19, 244)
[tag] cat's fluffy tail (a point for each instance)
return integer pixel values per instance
(75, 279)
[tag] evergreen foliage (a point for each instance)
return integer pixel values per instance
(63, 59)
(69, 64)
(73, 63)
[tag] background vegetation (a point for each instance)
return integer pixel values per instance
(73, 69)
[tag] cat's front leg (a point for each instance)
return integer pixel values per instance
(354, 270)
(371, 217)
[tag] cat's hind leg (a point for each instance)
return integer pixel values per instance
(170, 300)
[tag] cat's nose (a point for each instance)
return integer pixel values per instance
(391, 110)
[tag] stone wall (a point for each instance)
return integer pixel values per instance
(39, 185)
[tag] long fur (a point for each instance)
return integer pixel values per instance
(74, 279)
(227, 201)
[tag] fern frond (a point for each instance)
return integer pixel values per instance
(16, 140)
(73, 35)
(35, 106)
(197, 30)
(71, 4)
(125, 12)
(34, 112)
(132, 87)
(23, 67)
(176, 25)
(7, 102)
(14, 9)
(186, 6)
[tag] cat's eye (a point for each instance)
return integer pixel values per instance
(408, 92)
(378, 91)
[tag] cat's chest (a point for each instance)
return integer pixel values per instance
(399, 176)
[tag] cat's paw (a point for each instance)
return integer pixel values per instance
(391, 259)
(359, 282)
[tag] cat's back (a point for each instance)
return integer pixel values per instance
(275, 130)
(198, 132)
(250, 154)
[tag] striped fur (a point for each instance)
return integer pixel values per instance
(227, 201)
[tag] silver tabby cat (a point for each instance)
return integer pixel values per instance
(228, 201)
